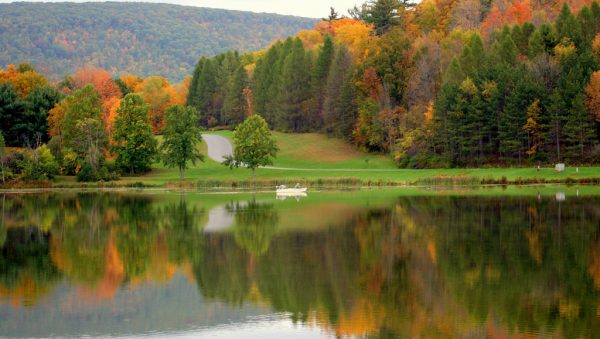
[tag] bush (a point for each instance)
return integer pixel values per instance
(40, 165)
(70, 163)
(12, 162)
(87, 174)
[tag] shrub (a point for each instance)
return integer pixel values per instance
(88, 174)
(40, 165)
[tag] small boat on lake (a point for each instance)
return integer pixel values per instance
(297, 190)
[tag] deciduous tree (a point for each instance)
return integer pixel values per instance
(254, 145)
(135, 145)
(181, 138)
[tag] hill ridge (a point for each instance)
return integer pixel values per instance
(141, 38)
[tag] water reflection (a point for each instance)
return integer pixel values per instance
(442, 265)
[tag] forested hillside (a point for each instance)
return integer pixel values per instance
(445, 83)
(137, 38)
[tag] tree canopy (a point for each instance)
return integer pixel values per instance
(181, 137)
(253, 144)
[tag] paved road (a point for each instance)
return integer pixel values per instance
(218, 147)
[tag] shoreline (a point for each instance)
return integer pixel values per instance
(443, 181)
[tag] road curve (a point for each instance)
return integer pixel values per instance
(218, 147)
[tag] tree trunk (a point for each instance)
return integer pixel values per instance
(181, 173)
(254, 176)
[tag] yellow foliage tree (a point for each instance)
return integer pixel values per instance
(159, 95)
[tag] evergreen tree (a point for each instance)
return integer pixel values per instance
(12, 110)
(234, 108)
(383, 14)
(294, 91)
(473, 56)
(555, 120)
(578, 130)
(2, 153)
(567, 26)
(205, 90)
(454, 75)
(334, 109)
(192, 97)
(38, 102)
(543, 40)
(319, 80)
(263, 80)
(512, 137)
(505, 50)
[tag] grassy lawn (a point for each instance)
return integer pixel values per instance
(321, 157)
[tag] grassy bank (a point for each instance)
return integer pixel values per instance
(320, 161)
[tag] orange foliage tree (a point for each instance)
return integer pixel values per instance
(109, 91)
(518, 13)
(100, 78)
(159, 95)
(24, 78)
(355, 35)
(592, 92)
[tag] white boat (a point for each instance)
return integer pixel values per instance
(284, 190)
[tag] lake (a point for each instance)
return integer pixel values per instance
(412, 263)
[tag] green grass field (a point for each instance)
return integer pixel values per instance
(321, 158)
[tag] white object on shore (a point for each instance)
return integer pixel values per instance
(283, 190)
(560, 167)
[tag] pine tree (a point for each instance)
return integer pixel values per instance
(567, 26)
(205, 90)
(333, 104)
(543, 40)
(555, 121)
(192, 97)
(234, 107)
(578, 130)
(319, 80)
(294, 91)
(264, 77)
(12, 110)
(505, 50)
(454, 75)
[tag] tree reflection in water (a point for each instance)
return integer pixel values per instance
(418, 266)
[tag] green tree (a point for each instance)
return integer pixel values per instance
(254, 145)
(339, 109)
(578, 130)
(234, 108)
(533, 128)
(383, 14)
(2, 153)
(135, 144)
(181, 138)
(82, 128)
(11, 113)
(40, 165)
(37, 104)
(319, 80)
(294, 90)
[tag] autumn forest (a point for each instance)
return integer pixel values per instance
(439, 84)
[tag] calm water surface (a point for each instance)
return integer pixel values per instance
(521, 262)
